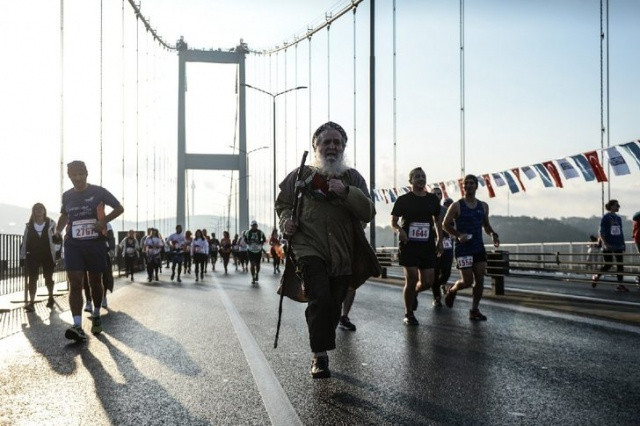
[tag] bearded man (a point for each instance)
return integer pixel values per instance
(326, 236)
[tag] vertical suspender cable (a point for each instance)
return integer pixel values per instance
(372, 113)
(310, 93)
(395, 111)
(608, 122)
(328, 72)
(101, 77)
(462, 106)
(137, 127)
(602, 128)
(122, 106)
(285, 114)
(354, 88)
(61, 97)
(296, 102)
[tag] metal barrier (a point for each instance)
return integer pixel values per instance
(562, 261)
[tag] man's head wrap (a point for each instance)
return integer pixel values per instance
(329, 125)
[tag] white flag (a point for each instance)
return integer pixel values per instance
(567, 168)
(617, 162)
(528, 172)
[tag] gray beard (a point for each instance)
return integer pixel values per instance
(330, 168)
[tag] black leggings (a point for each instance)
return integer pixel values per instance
(607, 256)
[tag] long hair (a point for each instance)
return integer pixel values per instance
(33, 209)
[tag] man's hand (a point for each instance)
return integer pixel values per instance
(290, 227)
(337, 187)
(99, 226)
(463, 238)
(439, 248)
(496, 240)
(402, 235)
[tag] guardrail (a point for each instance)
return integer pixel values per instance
(562, 261)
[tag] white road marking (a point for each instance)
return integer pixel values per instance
(276, 401)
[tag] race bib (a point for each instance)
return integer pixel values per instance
(464, 261)
(84, 229)
(418, 231)
(616, 230)
(446, 244)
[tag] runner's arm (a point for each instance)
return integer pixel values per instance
(487, 226)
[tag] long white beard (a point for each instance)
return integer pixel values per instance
(330, 168)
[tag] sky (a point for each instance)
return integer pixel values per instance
(531, 94)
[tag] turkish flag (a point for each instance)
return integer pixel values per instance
(553, 171)
(594, 162)
(487, 181)
(516, 172)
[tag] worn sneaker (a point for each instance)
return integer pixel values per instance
(96, 328)
(51, 302)
(449, 298)
(437, 303)
(475, 315)
(345, 324)
(75, 333)
(88, 307)
(410, 319)
(320, 367)
(622, 288)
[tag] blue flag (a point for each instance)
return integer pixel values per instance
(513, 186)
(544, 175)
(584, 167)
(634, 150)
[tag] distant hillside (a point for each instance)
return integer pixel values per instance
(525, 229)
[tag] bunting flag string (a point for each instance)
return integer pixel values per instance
(550, 172)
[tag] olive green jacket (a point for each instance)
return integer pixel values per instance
(328, 228)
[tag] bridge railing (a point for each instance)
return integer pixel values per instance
(564, 260)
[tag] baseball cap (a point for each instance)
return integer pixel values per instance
(253, 222)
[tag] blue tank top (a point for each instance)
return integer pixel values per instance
(470, 222)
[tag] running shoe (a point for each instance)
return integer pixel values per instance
(196, 277)
(622, 288)
(179, 280)
(320, 367)
(75, 333)
(88, 307)
(345, 324)
(410, 319)
(29, 307)
(437, 303)
(96, 328)
(51, 302)
(449, 298)
(104, 302)
(594, 280)
(475, 315)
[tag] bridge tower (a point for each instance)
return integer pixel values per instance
(212, 161)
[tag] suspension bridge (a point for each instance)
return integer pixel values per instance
(185, 130)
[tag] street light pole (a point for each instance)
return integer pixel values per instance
(273, 108)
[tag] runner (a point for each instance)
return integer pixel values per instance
(225, 250)
(275, 251)
(153, 246)
(176, 245)
(255, 240)
(464, 221)
(445, 260)
(243, 252)
(130, 249)
(214, 247)
(235, 250)
(613, 244)
(418, 246)
(84, 245)
(188, 239)
(199, 251)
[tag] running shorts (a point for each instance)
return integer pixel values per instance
(420, 255)
(86, 255)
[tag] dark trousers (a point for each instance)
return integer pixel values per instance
(442, 271)
(129, 262)
(34, 263)
(607, 256)
(325, 295)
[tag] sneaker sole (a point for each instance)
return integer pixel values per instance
(74, 336)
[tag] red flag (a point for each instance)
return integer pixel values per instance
(598, 171)
(553, 171)
(444, 190)
(516, 172)
(487, 181)
(461, 185)
(384, 194)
